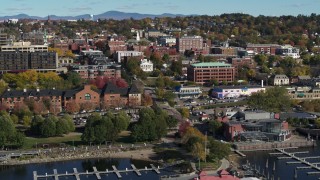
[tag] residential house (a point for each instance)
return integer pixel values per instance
(281, 79)
(146, 66)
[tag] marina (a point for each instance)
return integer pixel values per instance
(97, 173)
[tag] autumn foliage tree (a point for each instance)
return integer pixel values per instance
(101, 81)
(146, 100)
(72, 107)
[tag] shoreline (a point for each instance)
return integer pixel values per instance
(144, 154)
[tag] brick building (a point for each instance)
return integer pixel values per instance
(263, 48)
(204, 72)
(189, 42)
(12, 98)
(114, 96)
(114, 46)
(93, 71)
(85, 97)
(230, 51)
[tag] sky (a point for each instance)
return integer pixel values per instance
(44, 8)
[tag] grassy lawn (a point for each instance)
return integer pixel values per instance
(124, 138)
(70, 139)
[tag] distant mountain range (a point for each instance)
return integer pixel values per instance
(117, 15)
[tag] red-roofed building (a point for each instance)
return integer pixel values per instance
(223, 175)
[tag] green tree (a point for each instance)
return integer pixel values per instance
(184, 112)
(69, 121)
(172, 122)
(62, 127)
(274, 99)
(36, 124)
(151, 126)
(48, 127)
(215, 127)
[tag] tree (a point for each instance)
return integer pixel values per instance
(260, 59)
(8, 133)
(198, 151)
(176, 67)
(184, 112)
(121, 121)
(69, 122)
(26, 121)
(274, 99)
(217, 150)
(61, 127)
(215, 127)
(72, 107)
(74, 79)
(172, 122)
(48, 127)
(146, 100)
(36, 124)
(151, 125)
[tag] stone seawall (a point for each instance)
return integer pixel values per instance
(254, 146)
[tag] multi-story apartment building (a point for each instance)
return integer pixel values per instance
(21, 61)
(204, 72)
(114, 46)
(230, 51)
(167, 41)
(121, 56)
(263, 48)
(93, 71)
(189, 42)
(24, 47)
(34, 37)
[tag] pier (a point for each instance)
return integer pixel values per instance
(96, 173)
(299, 160)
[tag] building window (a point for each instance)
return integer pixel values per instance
(87, 96)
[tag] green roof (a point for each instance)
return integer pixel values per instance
(211, 64)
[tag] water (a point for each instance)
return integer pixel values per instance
(282, 170)
(25, 172)
(257, 159)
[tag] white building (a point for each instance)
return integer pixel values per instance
(146, 66)
(279, 80)
(120, 55)
(288, 50)
(188, 91)
(167, 40)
